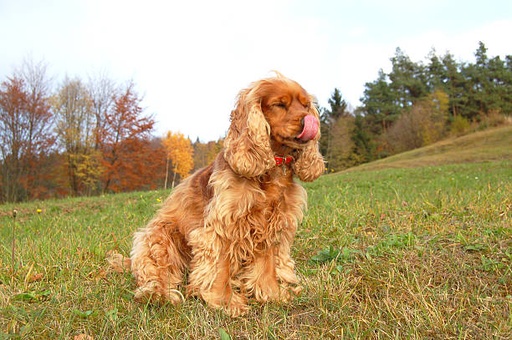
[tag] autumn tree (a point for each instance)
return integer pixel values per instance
(436, 113)
(25, 132)
(75, 128)
(12, 124)
(40, 135)
(425, 123)
(337, 125)
(102, 92)
(205, 153)
(179, 154)
(127, 155)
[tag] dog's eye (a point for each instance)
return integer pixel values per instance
(281, 105)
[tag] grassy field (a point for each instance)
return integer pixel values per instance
(413, 250)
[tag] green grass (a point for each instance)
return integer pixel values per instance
(416, 252)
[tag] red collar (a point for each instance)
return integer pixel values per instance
(283, 160)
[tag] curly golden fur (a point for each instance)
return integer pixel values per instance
(230, 226)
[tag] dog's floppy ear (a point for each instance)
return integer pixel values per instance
(309, 164)
(247, 144)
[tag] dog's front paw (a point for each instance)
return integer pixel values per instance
(279, 293)
(236, 306)
(233, 304)
(236, 311)
(270, 291)
(153, 293)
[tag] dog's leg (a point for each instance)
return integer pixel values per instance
(271, 275)
(261, 279)
(221, 294)
(211, 274)
(289, 218)
(285, 272)
(158, 262)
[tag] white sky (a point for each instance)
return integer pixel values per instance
(189, 59)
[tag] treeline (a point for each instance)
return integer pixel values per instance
(93, 137)
(417, 104)
(83, 138)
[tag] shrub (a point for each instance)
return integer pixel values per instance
(459, 126)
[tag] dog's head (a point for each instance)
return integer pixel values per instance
(274, 117)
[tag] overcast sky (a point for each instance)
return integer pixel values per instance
(189, 59)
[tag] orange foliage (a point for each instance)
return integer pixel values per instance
(180, 152)
(25, 138)
(128, 158)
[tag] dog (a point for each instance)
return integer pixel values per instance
(226, 231)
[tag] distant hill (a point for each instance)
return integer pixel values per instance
(487, 145)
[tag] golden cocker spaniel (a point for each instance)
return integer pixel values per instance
(229, 227)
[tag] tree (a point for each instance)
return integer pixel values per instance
(424, 124)
(501, 78)
(454, 85)
(408, 80)
(436, 112)
(41, 139)
(364, 146)
(25, 131)
(379, 104)
(75, 128)
(180, 154)
(488, 86)
(388, 97)
(492, 88)
(127, 154)
(205, 153)
(12, 124)
(340, 155)
(102, 91)
(436, 76)
(336, 125)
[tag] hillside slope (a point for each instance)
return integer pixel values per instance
(489, 145)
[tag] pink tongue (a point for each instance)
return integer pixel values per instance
(310, 128)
